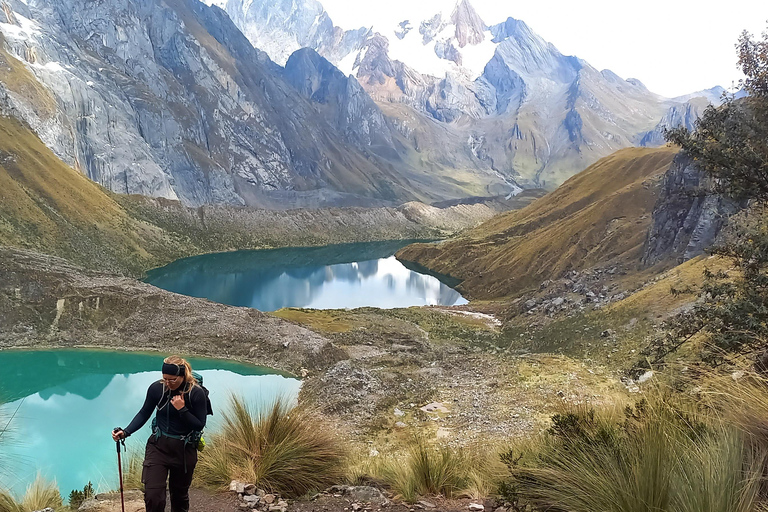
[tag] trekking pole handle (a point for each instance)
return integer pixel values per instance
(118, 441)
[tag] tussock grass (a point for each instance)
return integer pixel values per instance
(422, 469)
(40, 494)
(286, 450)
(669, 453)
(133, 464)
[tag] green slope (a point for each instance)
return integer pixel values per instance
(599, 216)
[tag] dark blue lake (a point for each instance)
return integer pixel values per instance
(329, 277)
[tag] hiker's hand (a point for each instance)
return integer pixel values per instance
(178, 402)
(118, 435)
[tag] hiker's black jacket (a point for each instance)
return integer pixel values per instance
(190, 418)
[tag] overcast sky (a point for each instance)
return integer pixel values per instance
(673, 46)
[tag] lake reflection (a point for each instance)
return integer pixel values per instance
(322, 278)
(64, 404)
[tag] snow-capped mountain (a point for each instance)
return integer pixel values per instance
(168, 98)
(535, 115)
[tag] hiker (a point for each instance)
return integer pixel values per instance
(182, 408)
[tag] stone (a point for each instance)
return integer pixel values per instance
(645, 377)
(249, 489)
(251, 500)
(398, 412)
(269, 498)
(365, 493)
(476, 507)
(427, 504)
(400, 424)
(558, 301)
(237, 486)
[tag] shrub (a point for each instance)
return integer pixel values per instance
(290, 451)
(666, 455)
(40, 494)
(428, 470)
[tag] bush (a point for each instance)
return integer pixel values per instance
(40, 494)
(289, 451)
(428, 470)
(666, 455)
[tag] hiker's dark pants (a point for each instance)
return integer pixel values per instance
(164, 460)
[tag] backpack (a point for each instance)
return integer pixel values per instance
(195, 437)
(199, 379)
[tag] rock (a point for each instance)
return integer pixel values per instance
(365, 493)
(558, 301)
(500, 509)
(251, 500)
(530, 304)
(427, 504)
(249, 489)
(269, 499)
(276, 508)
(645, 377)
(476, 507)
(237, 486)
(356, 507)
(398, 412)
(400, 424)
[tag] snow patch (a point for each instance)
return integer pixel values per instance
(418, 56)
(347, 64)
(53, 67)
(475, 57)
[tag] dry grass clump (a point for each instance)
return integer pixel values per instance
(287, 450)
(669, 453)
(40, 494)
(422, 469)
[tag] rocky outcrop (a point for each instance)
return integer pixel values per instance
(678, 116)
(49, 302)
(357, 116)
(688, 215)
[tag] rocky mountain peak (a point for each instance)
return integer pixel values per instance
(470, 27)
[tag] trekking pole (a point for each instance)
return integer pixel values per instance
(120, 468)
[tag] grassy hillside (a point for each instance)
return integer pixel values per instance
(600, 216)
(47, 206)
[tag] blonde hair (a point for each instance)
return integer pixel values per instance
(189, 379)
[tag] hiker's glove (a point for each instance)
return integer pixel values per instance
(118, 434)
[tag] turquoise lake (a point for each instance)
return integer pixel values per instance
(64, 404)
(329, 277)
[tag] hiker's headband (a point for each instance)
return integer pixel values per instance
(173, 369)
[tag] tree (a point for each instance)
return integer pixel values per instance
(730, 143)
